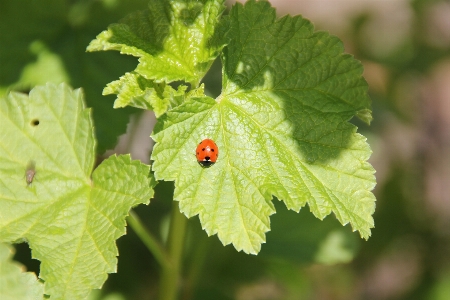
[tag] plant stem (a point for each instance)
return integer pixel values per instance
(196, 265)
(149, 240)
(170, 276)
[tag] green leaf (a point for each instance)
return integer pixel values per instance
(174, 40)
(69, 220)
(14, 283)
(134, 90)
(281, 125)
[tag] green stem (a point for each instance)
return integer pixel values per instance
(195, 267)
(170, 276)
(149, 240)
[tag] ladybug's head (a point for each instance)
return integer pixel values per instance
(206, 163)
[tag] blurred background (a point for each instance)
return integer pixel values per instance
(404, 46)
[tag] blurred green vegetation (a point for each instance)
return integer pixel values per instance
(304, 258)
(45, 41)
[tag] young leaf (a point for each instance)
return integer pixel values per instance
(47, 196)
(14, 282)
(134, 90)
(174, 40)
(281, 125)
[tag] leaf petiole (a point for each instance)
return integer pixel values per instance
(149, 240)
(171, 275)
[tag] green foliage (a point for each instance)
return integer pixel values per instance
(70, 220)
(174, 40)
(135, 90)
(14, 283)
(281, 122)
(45, 41)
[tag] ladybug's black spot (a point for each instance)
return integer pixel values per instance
(212, 150)
(203, 149)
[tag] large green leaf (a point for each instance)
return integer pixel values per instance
(281, 124)
(175, 40)
(47, 195)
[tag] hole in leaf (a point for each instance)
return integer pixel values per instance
(23, 255)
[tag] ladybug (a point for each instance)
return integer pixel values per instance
(207, 153)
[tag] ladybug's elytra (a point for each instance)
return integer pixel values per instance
(207, 153)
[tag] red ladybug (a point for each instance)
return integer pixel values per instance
(207, 153)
